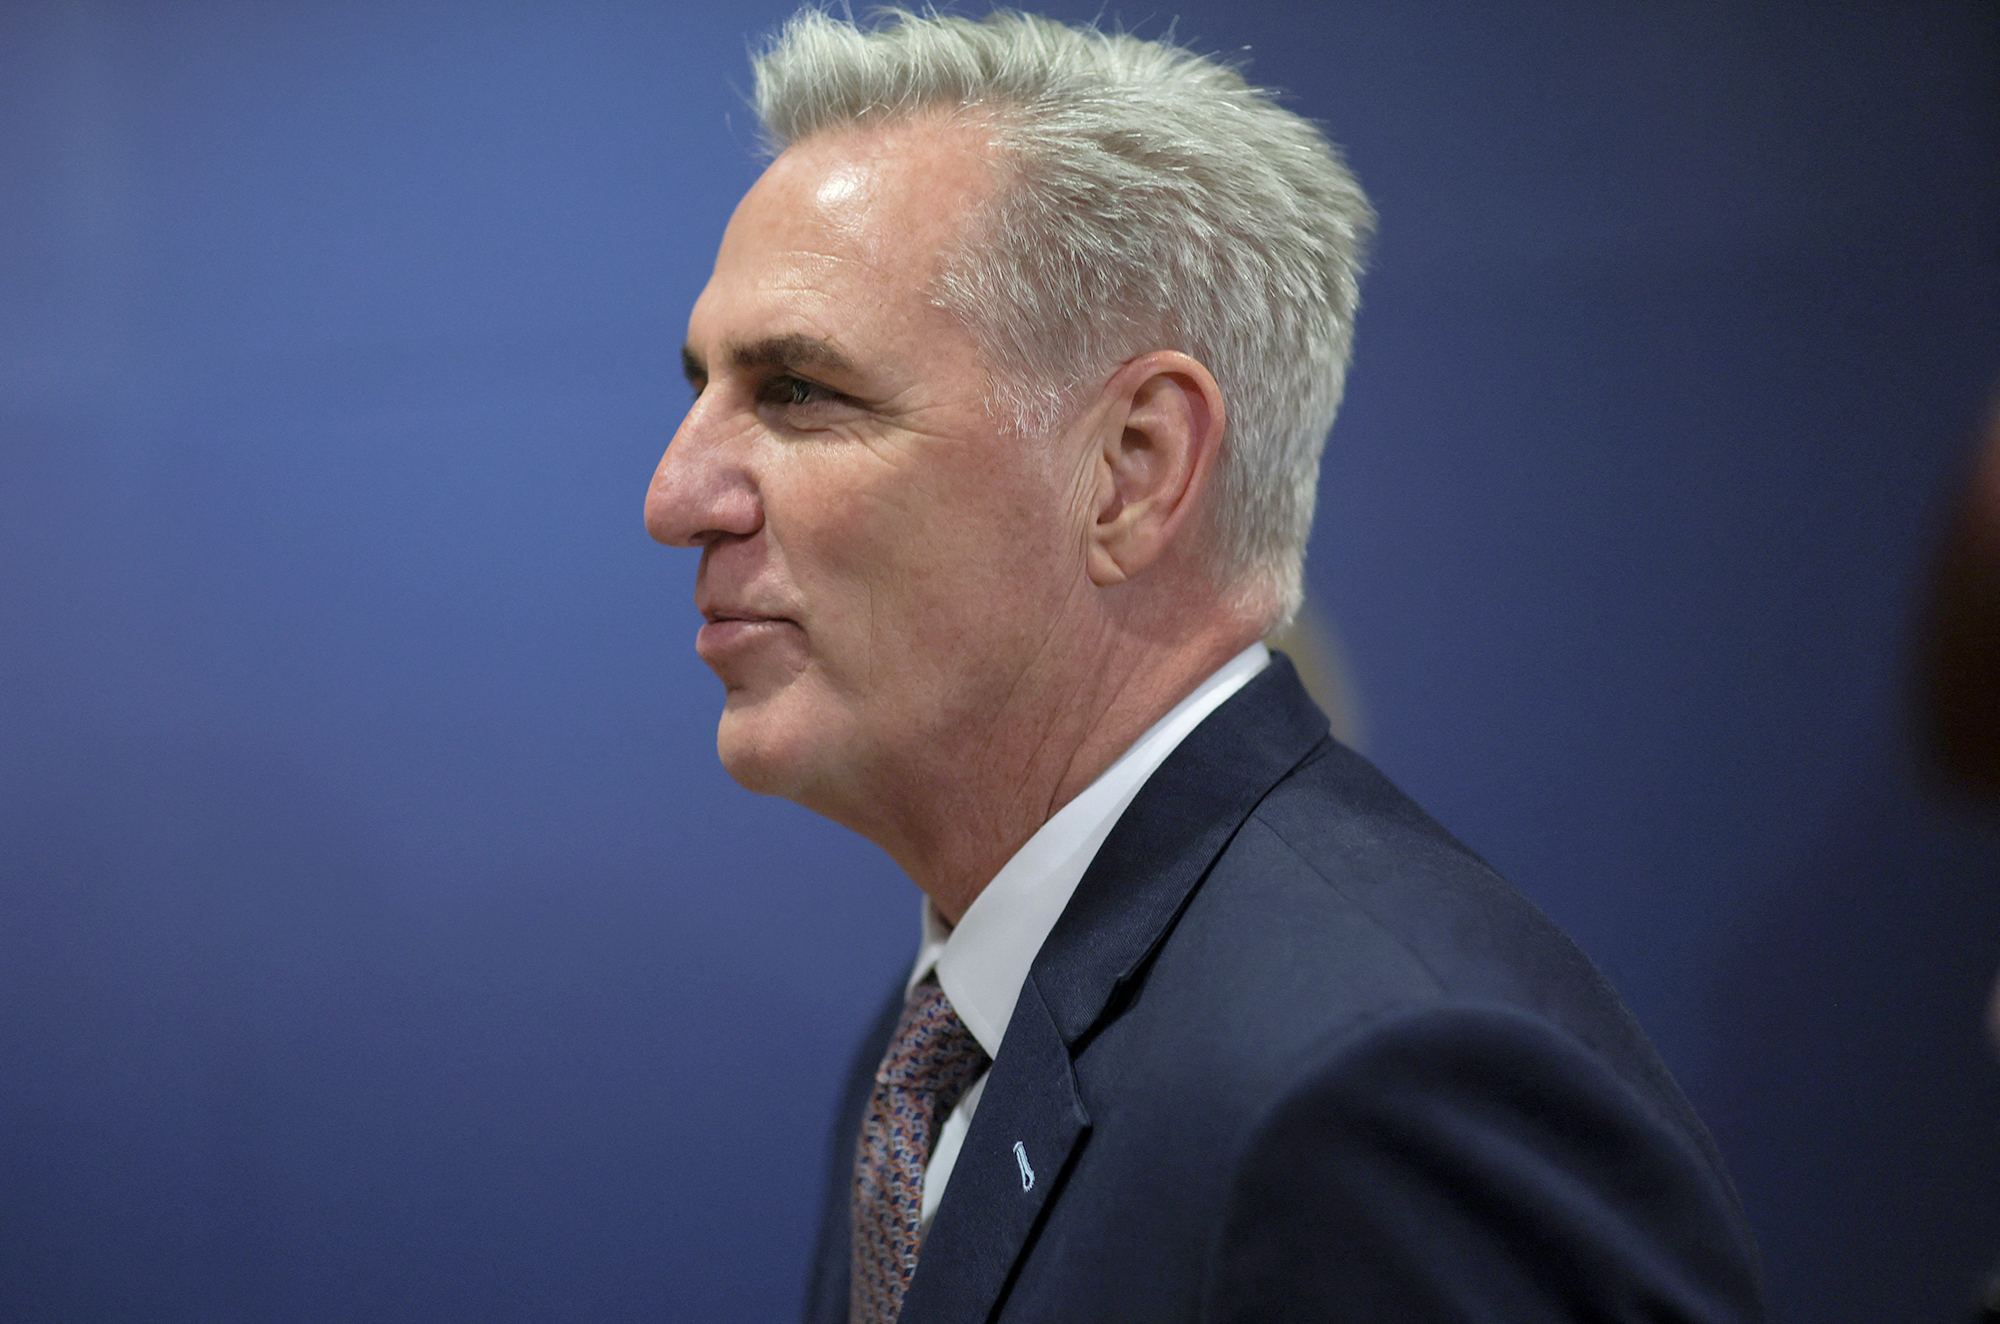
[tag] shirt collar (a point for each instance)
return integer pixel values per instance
(982, 963)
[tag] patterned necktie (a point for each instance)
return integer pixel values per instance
(932, 1058)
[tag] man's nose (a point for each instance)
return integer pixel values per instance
(703, 490)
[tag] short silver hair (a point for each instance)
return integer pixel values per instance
(1151, 199)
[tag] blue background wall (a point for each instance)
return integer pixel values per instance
(378, 938)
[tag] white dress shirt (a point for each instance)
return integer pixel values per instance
(982, 963)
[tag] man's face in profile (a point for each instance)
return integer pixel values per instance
(881, 563)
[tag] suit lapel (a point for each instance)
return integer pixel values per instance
(1161, 848)
(1031, 1116)
(1029, 1120)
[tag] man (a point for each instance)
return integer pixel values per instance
(1010, 383)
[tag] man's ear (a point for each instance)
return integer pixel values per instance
(1158, 452)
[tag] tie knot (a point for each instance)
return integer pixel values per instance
(932, 1050)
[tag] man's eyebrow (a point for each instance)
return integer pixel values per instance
(805, 353)
(794, 351)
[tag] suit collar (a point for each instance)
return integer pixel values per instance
(983, 963)
(1161, 848)
(1031, 1118)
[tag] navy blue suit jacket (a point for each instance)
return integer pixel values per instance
(1292, 1052)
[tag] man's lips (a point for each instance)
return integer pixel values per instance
(728, 632)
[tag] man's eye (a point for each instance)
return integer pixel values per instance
(788, 390)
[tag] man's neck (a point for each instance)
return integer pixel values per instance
(989, 810)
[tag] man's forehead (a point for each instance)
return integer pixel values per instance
(839, 244)
(888, 195)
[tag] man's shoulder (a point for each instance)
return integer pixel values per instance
(1339, 853)
(1339, 905)
(1355, 1018)
(1273, 861)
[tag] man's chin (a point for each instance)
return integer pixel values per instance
(764, 755)
(753, 772)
